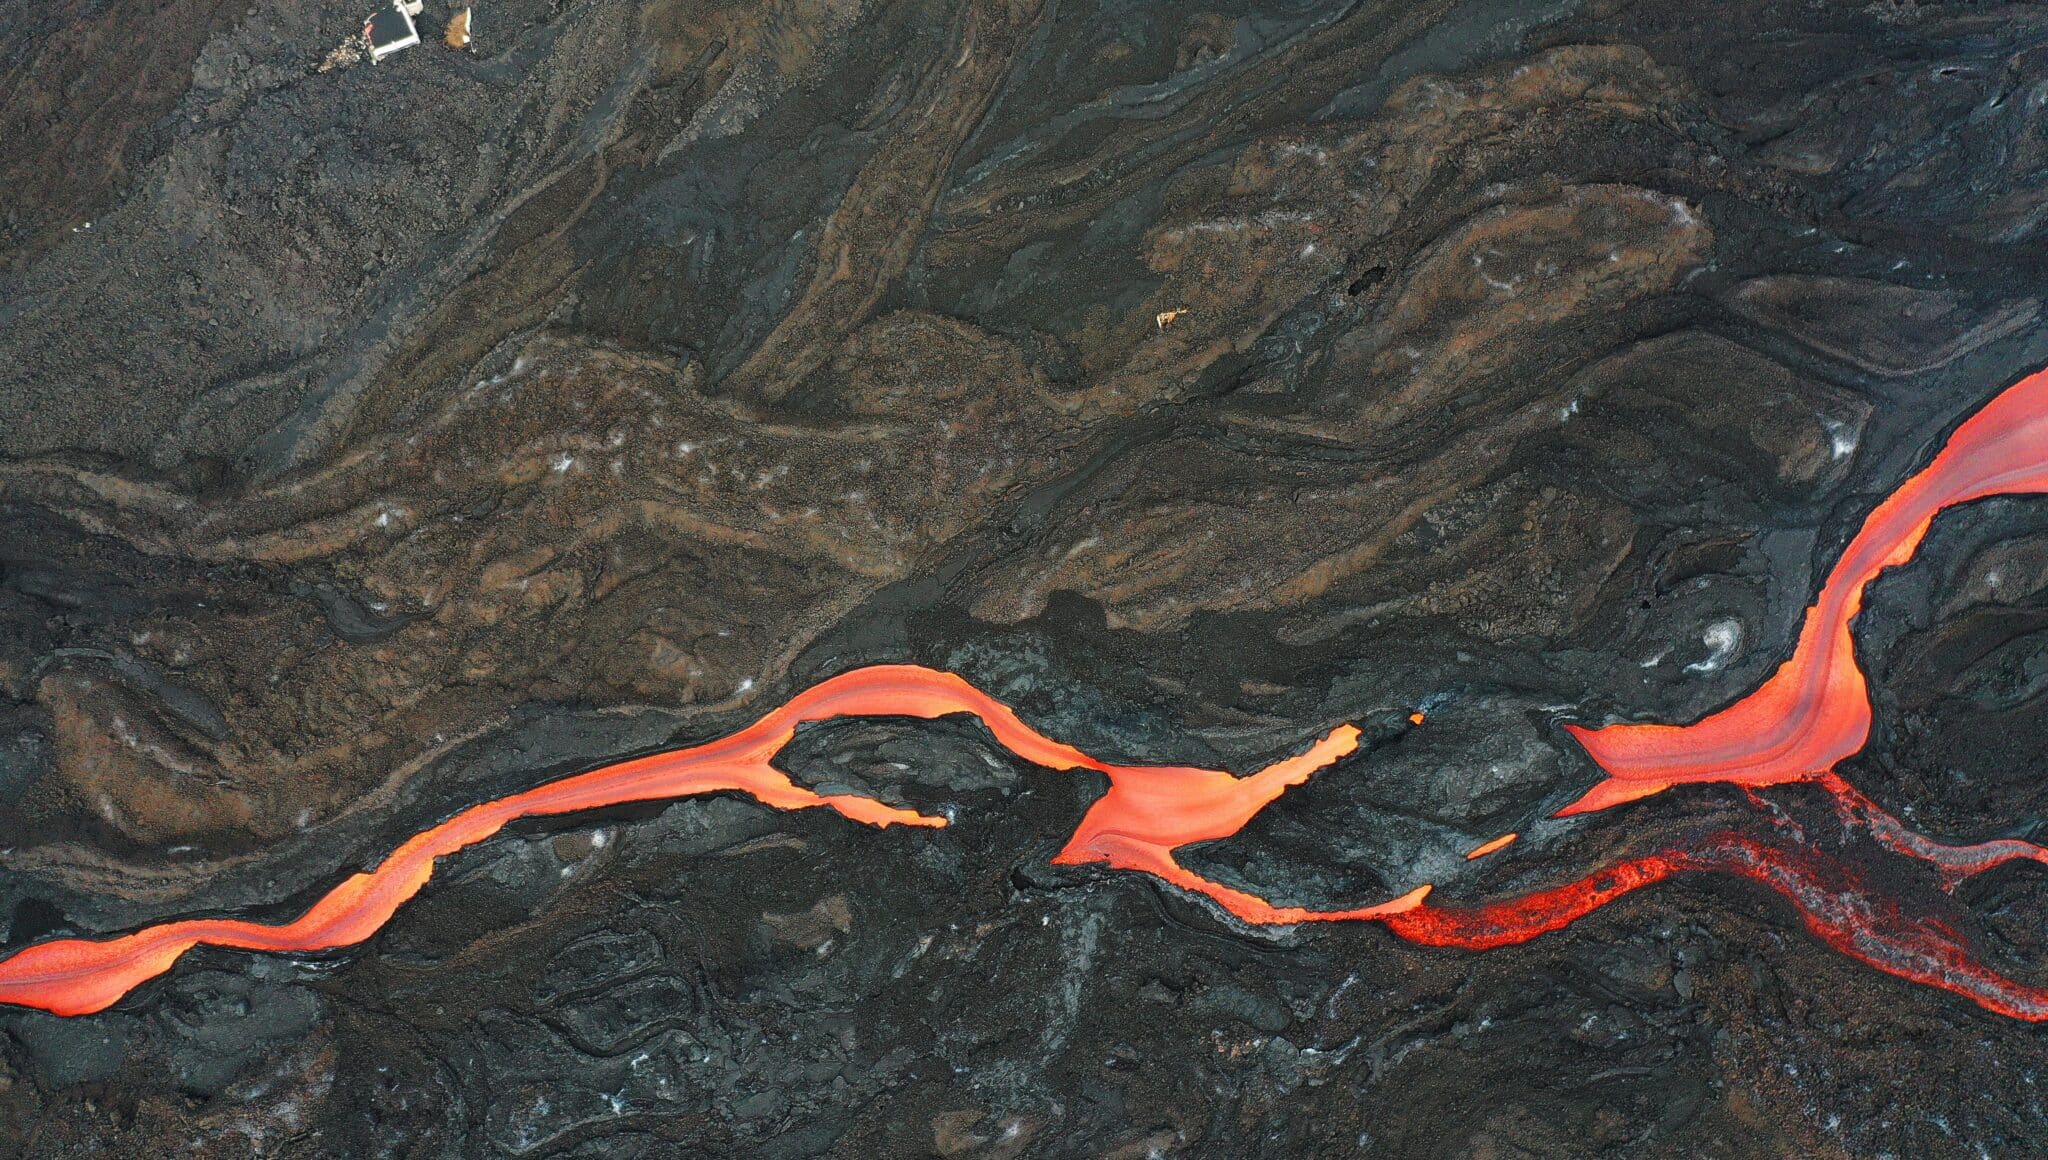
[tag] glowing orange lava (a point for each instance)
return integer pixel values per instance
(1485, 848)
(1147, 813)
(1813, 712)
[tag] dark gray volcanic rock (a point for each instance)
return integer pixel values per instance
(383, 439)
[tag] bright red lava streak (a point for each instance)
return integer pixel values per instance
(1810, 715)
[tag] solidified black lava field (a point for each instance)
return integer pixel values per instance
(378, 440)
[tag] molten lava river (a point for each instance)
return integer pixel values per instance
(1809, 716)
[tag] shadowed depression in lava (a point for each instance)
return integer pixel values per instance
(1810, 715)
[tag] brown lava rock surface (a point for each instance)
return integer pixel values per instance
(385, 439)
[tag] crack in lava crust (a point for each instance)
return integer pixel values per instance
(1811, 714)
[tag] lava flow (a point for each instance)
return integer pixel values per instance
(1812, 713)
(1147, 813)
(1815, 710)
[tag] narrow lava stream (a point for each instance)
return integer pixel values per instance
(1810, 715)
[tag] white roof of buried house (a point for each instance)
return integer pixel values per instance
(391, 29)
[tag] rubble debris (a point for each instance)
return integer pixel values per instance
(348, 52)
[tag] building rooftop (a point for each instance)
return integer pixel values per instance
(389, 30)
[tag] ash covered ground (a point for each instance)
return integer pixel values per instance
(386, 439)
